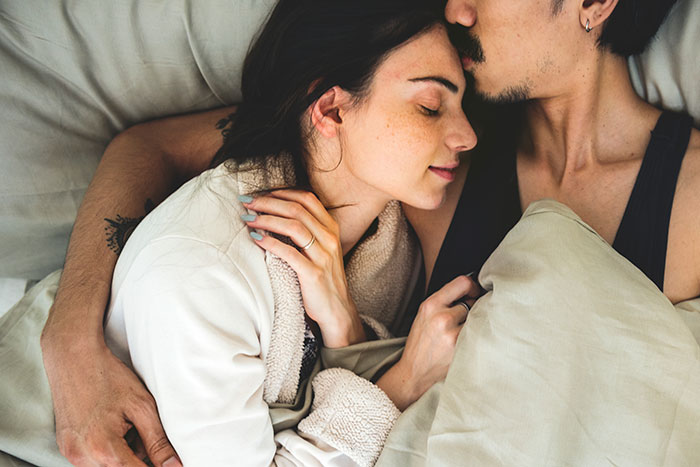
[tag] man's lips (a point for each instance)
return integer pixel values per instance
(466, 61)
(447, 171)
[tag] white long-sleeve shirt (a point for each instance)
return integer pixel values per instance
(192, 312)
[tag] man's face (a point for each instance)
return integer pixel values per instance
(515, 49)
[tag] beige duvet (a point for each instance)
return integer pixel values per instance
(572, 358)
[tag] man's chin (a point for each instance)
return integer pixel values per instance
(478, 89)
(509, 95)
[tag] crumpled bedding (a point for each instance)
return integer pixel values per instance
(572, 358)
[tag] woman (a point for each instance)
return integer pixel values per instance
(223, 333)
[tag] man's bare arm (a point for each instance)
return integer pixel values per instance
(96, 398)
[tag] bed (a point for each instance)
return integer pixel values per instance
(75, 74)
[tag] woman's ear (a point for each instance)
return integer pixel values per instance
(593, 13)
(327, 111)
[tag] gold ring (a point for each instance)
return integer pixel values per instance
(311, 242)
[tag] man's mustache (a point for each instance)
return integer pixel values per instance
(465, 42)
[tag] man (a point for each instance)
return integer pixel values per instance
(580, 138)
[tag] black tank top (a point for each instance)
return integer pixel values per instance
(642, 236)
(490, 203)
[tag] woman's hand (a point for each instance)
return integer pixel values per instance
(431, 342)
(318, 260)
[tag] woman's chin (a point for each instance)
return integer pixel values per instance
(429, 202)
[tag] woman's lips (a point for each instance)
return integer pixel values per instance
(448, 173)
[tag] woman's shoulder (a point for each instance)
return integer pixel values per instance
(192, 259)
(203, 217)
(205, 209)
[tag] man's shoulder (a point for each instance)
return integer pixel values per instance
(690, 171)
(694, 143)
(687, 197)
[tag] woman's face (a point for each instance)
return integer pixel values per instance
(403, 140)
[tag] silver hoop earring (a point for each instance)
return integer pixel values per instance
(588, 25)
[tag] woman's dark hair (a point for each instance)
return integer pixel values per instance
(306, 48)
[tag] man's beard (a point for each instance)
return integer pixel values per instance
(466, 43)
(469, 46)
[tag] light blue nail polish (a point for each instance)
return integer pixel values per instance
(249, 217)
(245, 199)
(256, 236)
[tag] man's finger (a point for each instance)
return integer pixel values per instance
(158, 448)
(461, 311)
(118, 453)
(455, 289)
(135, 443)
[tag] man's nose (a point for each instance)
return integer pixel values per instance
(461, 12)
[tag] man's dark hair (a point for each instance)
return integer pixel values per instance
(306, 48)
(557, 6)
(631, 26)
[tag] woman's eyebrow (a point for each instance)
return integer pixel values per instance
(438, 79)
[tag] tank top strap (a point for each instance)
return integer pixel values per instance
(643, 233)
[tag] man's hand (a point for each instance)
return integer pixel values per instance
(111, 402)
(431, 342)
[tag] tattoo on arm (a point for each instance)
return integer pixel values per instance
(225, 125)
(118, 230)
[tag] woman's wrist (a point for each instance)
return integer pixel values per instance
(344, 332)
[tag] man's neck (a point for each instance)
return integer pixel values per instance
(594, 121)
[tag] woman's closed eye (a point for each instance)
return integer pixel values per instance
(429, 111)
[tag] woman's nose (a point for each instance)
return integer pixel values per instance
(461, 12)
(462, 136)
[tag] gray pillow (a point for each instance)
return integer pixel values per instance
(75, 73)
(668, 73)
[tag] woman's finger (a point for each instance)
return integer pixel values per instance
(296, 260)
(315, 249)
(282, 208)
(312, 204)
(272, 206)
(292, 228)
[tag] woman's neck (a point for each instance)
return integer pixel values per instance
(353, 204)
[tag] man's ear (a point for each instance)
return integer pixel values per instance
(328, 110)
(595, 12)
